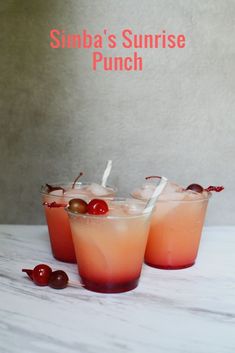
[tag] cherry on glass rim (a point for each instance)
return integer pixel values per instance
(153, 177)
(97, 207)
(214, 188)
(198, 188)
(53, 204)
(195, 187)
(76, 179)
(51, 188)
(77, 206)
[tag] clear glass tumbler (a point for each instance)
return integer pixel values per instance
(110, 248)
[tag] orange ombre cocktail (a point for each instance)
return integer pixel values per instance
(110, 248)
(55, 199)
(176, 224)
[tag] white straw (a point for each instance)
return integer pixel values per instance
(106, 173)
(157, 192)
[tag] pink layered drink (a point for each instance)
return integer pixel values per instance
(54, 202)
(110, 248)
(176, 225)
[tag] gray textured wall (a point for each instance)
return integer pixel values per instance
(58, 117)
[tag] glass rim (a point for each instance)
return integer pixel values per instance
(78, 183)
(106, 216)
(201, 199)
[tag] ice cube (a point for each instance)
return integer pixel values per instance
(172, 196)
(57, 193)
(191, 195)
(116, 210)
(172, 187)
(133, 208)
(72, 192)
(145, 191)
(97, 189)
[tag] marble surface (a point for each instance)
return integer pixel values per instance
(184, 311)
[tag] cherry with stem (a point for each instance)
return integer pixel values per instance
(214, 188)
(195, 187)
(153, 177)
(29, 272)
(74, 183)
(53, 204)
(51, 188)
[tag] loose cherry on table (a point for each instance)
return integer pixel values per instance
(42, 275)
(58, 279)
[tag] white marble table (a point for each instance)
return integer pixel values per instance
(184, 311)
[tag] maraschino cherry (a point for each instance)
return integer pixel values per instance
(77, 206)
(198, 188)
(58, 279)
(78, 177)
(40, 274)
(195, 187)
(97, 207)
(51, 188)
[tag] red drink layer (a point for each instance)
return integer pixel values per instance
(110, 248)
(176, 226)
(54, 203)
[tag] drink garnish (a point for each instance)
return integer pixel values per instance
(76, 179)
(51, 188)
(53, 204)
(153, 177)
(97, 207)
(77, 206)
(195, 187)
(198, 188)
(94, 207)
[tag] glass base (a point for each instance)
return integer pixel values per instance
(62, 259)
(169, 267)
(109, 287)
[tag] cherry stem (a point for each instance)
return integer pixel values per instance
(75, 284)
(53, 204)
(29, 272)
(152, 177)
(214, 188)
(74, 183)
(51, 188)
